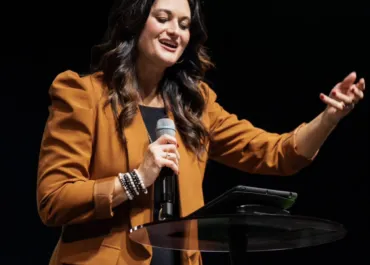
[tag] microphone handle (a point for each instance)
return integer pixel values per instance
(167, 179)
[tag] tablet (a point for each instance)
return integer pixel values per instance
(229, 201)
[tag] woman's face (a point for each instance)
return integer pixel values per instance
(166, 32)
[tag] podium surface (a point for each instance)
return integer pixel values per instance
(243, 219)
(256, 232)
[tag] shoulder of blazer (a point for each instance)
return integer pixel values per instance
(96, 85)
(91, 83)
(208, 93)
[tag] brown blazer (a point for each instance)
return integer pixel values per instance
(81, 155)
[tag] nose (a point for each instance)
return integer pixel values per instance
(173, 29)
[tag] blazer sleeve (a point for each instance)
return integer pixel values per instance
(65, 192)
(238, 144)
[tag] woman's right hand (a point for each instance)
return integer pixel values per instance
(161, 153)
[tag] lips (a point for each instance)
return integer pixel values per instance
(168, 44)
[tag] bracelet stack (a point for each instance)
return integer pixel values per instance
(132, 183)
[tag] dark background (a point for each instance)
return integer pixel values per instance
(272, 63)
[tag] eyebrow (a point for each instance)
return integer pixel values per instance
(169, 12)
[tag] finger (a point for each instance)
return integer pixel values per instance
(171, 148)
(171, 156)
(361, 84)
(170, 164)
(358, 93)
(349, 79)
(346, 84)
(339, 96)
(332, 102)
(166, 139)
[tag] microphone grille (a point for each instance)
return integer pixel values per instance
(165, 126)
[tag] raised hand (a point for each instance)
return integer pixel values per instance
(343, 98)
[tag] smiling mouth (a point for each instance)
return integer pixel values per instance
(168, 45)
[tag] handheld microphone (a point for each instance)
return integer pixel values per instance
(166, 176)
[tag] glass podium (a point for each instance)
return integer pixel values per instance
(254, 227)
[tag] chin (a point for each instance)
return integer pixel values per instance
(167, 62)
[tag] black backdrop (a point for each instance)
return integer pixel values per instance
(272, 63)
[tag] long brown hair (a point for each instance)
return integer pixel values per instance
(180, 90)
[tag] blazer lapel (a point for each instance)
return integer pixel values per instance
(189, 177)
(137, 141)
(137, 144)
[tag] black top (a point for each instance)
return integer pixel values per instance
(160, 256)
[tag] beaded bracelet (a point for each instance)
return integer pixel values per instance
(132, 183)
(125, 185)
(138, 181)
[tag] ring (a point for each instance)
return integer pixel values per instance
(167, 155)
(349, 106)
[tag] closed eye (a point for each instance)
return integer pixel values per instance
(162, 19)
(185, 24)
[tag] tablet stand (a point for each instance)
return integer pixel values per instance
(238, 243)
(238, 234)
(248, 228)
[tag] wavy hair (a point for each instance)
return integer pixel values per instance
(179, 87)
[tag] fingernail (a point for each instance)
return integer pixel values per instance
(352, 89)
(322, 96)
(334, 93)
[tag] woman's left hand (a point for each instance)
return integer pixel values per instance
(343, 98)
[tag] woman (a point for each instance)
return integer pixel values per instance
(99, 158)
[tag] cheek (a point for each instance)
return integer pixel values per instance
(152, 29)
(185, 40)
(146, 39)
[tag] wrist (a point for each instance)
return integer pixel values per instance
(328, 122)
(141, 176)
(132, 184)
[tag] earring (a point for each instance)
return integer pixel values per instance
(178, 62)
